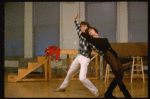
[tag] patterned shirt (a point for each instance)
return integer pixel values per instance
(84, 46)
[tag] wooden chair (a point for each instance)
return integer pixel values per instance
(139, 63)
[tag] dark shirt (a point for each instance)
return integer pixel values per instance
(101, 44)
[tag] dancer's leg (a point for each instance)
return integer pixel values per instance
(113, 84)
(73, 68)
(82, 76)
(116, 66)
(110, 89)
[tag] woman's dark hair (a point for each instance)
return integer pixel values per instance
(85, 23)
(92, 28)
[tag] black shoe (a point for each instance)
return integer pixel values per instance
(110, 89)
(125, 91)
(109, 96)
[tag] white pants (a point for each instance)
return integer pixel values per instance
(84, 61)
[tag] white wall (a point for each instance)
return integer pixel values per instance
(122, 22)
(28, 30)
(68, 35)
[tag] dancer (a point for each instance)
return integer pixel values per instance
(101, 43)
(83, 57)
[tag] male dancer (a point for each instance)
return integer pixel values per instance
(83, 57)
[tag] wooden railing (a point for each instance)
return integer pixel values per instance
(73, 52)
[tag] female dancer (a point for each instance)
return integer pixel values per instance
(101, 43)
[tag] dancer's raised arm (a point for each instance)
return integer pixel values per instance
(75, 17)
(77, 24)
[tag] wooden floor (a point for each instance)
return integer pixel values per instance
(75, 89)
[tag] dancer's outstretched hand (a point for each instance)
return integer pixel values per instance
(75, 17)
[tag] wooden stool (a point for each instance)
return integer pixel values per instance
(139, 63)
(107, 72)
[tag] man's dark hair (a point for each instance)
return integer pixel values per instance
(85, 23)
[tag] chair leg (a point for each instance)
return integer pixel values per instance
(132, 70)
(143, 76)
(132, 73)
(142, 71)
(106, 72)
